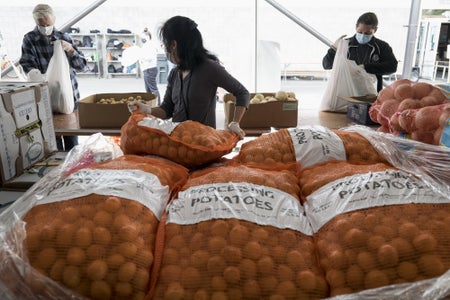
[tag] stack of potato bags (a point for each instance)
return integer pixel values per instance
(304, 212)
(91, 233)
(375, 225)
(237, 232)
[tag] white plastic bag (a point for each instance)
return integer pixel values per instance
(346, 80)
(59, 83)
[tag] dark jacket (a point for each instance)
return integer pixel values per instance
(194, 97)
(37, 50)
(376, 56)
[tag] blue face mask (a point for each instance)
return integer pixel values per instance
(363, 38)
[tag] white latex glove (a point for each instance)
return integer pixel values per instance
(335, 44)
(234, 127)
(142, 107)
(67, 47)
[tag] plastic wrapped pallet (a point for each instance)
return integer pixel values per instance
(92, 230)
(379, 229)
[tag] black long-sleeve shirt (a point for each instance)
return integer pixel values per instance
(194, 97)
(376, 56)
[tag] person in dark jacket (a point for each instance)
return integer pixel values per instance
(375, 55)
(37, 50)
(192, 84)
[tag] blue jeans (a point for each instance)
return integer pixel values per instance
(150, 82)
(69, 142)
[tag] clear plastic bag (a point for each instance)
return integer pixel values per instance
(59, 83)
(347, 80)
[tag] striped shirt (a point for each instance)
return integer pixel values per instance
(37, 50)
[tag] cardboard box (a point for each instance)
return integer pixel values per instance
(36, 172)
(92, 114)
(277, 114)
(23, 134)
(358, 109)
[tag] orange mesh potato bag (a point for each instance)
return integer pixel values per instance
(189, 143)
(313, 178)
(358, 148)
(94, 231)
(308, 145)
(231, 238)
(378, 229)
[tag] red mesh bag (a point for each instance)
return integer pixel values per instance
(190, 143)
(379, 229)
(235, 238)
(402, 95)
(424, 124)
(94, 231)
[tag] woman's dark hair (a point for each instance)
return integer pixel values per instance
(189, 40)
(368, 18)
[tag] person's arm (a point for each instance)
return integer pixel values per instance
(387, 63)
(165, 110)
(75, 57)
(28, 59)
(159, 112)
(328, 59)
(223, 79)
(239, 112)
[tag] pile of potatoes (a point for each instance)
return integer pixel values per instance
(380, 245)
(122, 101)
(279, 96)
(385, 245)
(101, 246)
(98, 246)
(234, 258)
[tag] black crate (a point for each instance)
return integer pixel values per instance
(359, 112)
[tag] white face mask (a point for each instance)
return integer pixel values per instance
(45, 30)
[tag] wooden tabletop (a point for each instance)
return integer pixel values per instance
(70, 125)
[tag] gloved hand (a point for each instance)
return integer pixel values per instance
(234, 127)
(67, 47)
(335, 44)
(142, 107)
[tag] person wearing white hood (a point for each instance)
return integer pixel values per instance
(37, 50)
(148, 63)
